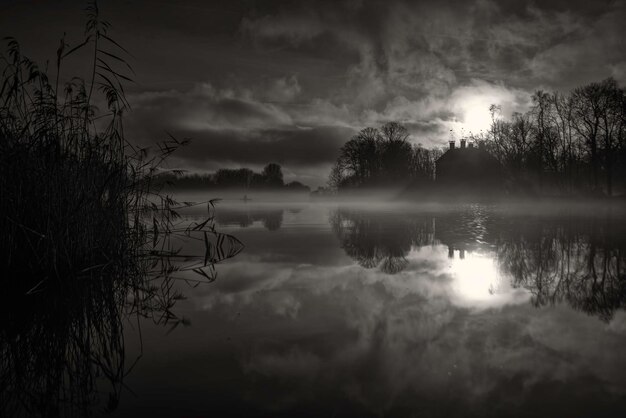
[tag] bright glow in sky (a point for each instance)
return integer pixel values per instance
(476, 116)
(472, 104)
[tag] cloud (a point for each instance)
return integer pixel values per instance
(417, 48)
(284, 89)
(464, 110)
(438, 67)
(592, 52)
(288, 75)
(239, 127)
(288, 146)
(205, 107)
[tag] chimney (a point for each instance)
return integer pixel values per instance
(452, 144)
(462, 143)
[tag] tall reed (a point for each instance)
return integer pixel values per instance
(86, 234)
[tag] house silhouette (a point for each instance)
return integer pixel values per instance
(468, 169)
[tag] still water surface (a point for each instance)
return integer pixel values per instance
(381, 310)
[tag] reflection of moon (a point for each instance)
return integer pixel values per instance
(475, 277)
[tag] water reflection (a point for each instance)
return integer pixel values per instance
(579, 260)
(375, 239)
(573, 260)
(393, 311)
(271, 218)
(60, 347)
(62, 342)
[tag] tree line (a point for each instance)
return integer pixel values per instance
(566, 143)
(571, 143)
(271, 178)
(378, 157)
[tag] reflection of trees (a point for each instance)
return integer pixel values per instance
(582, 263)
(383, 239)
(272, 219)
(380, 240)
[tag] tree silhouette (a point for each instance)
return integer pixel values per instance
(568, 143)
(378, 157)
(225, 178)
(273, 175)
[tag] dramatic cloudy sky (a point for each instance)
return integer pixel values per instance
(252, 82)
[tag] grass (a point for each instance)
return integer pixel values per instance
(86, 237)
(67, 180)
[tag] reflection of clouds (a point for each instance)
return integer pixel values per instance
(443, 332)
(435, 351)
(560, 331)
(408, 335)
(295, 363)
(378, 338)
(429, 275)
(618, 323)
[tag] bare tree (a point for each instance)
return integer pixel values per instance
(586, 104)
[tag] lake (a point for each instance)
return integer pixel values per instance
(396, 310)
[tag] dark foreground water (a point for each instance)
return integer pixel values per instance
(353, 310)
(381, 310)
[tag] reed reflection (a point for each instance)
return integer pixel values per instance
(60, 348)
(62, 344)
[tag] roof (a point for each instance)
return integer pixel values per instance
(468, 164)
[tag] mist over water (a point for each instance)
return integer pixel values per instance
(397, 309)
